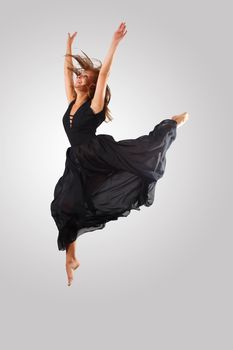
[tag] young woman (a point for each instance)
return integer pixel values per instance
(103, 179)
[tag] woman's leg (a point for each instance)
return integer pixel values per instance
(72, 263)
(70, 250)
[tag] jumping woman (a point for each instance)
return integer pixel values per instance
(103, 179)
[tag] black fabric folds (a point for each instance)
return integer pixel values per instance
(105, 179)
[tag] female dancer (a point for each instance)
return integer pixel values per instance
(103, 179)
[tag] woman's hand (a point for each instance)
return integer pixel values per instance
(120, 33)
(70, 38)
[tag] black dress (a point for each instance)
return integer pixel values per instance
(104, 179)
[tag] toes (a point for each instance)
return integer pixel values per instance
(70, 282)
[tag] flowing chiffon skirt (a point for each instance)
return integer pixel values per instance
(105, 179)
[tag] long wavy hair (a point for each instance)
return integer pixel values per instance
(87, 64)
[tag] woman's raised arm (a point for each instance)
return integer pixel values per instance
(117, 37)
(68, 74)
(99, 96)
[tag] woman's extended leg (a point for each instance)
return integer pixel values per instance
(72, 263)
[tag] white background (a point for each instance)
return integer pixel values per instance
(162, 277)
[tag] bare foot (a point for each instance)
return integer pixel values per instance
(180, 118)
(71, 265)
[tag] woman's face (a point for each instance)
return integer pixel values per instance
(83, 79)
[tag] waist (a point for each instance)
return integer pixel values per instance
(80, 138)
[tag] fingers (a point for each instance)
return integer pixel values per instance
(72, 36)
(122, 28)
(122, 24)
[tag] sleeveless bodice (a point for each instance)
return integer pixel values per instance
(84, 123)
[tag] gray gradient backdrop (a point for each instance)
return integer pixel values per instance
(162, 277)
